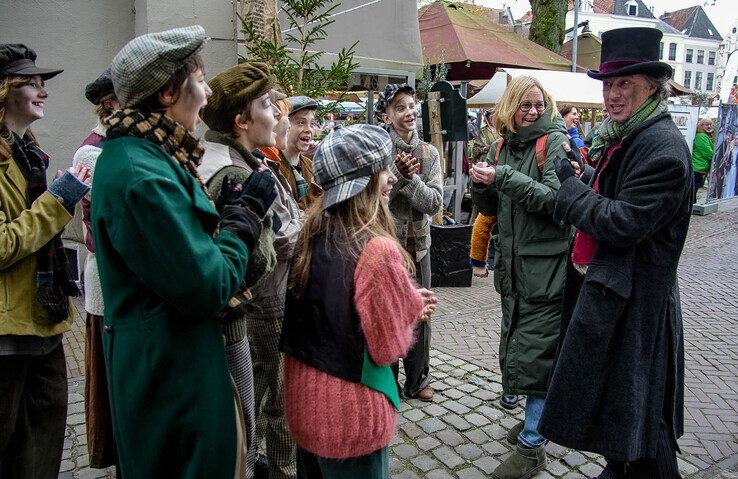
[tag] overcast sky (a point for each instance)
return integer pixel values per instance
(722, 13)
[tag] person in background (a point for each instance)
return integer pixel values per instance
(294, 164)
(98, 421)
(35, 309)
(486, 137)
(351, 312)
(169, 264)
(519, 187)
(570, 114)
(703, 150)
(241, 116)
(617, 388)
(417, 196)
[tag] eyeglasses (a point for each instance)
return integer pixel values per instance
(526, 106)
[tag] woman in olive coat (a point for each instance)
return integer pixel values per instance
(519, 187)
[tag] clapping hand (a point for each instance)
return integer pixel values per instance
(483, 173)
(429, 303)
(407, 165)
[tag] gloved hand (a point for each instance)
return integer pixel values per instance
(230, 190)
(243, 222)
(564, 170)
(258, 193)
(574, 154)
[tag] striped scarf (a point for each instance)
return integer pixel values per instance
(157, 128)
(610, 131)
(54, 281)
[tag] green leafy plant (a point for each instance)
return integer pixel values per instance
(430, 75)
(296, 64)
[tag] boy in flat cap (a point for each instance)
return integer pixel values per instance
(416, 197)
(295, 165)
(34, 274)
(242, 118)
(169, 264)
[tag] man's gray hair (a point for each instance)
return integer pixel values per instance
(663, 88)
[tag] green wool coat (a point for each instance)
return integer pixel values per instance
(164, 279)
(530, 253)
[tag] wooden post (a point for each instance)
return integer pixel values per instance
(436, 134)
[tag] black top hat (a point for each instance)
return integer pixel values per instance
(630, 51)
(18, 59)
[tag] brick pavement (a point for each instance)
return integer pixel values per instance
(461, 433)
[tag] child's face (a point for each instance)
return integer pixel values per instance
(386, 180)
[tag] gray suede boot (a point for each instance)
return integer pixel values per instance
(522, 464)
(514, 432)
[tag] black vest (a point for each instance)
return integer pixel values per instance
(322, 328)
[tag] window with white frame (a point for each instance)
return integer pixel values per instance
(700, 56)
(710, 58)
(698, 81)
(661, 50)
(688, 79)
(688, 55)
(672, 52)
(631, 8)
(710, 81)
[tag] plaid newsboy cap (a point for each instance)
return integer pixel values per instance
(389, 94)
(233, 88)
(302, 102)
(147, 62)
(347, 158)
(102, 86)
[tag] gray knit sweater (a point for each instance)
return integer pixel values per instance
(413, 201)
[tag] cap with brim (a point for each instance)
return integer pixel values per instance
(18, 59)
(347, 158)
(389, 94)
(146, 63)
(102, 86)
(631, 51)
(302, 102)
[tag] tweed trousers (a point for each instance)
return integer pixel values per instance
(238, 355)
(264, 326)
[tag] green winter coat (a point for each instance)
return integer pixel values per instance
(702, 152)
(164, 279)
(530, 254)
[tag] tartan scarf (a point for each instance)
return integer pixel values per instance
(54, 281)
(185, 149)
(610, 131)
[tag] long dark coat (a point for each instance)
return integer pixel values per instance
(619, 367)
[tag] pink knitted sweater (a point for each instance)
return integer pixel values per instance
(337, 419)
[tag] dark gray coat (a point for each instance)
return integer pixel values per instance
(619, 367)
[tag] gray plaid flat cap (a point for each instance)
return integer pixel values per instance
(146, 63)
(389, 93)
(347, 158)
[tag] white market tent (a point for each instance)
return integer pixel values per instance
(565, 87)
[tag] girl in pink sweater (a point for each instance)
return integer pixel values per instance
(350, 314)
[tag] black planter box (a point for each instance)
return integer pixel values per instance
(450, 255)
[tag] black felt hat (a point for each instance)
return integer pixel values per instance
(18, 59)
(631, 51)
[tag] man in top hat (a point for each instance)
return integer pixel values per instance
(617, 386)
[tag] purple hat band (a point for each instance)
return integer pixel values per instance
(608, 67)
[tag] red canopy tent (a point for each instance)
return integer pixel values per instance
(475, 46)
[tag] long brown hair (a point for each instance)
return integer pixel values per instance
(6, 137)
(348, 226)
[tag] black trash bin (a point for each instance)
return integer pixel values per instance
(450, 255)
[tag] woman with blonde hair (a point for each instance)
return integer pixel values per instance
(518, 185)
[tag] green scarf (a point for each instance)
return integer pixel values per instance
(610, 131)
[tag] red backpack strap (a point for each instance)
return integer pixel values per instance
(499, 149)
(541, 152)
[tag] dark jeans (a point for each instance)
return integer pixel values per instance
(699, 182)
(33, 414)
(663, 467)
(417, 361)
(371, 466)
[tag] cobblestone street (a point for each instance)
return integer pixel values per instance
(461, 434)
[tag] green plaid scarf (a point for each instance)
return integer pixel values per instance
(157, 128)
(54, 281)
(610, 131)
